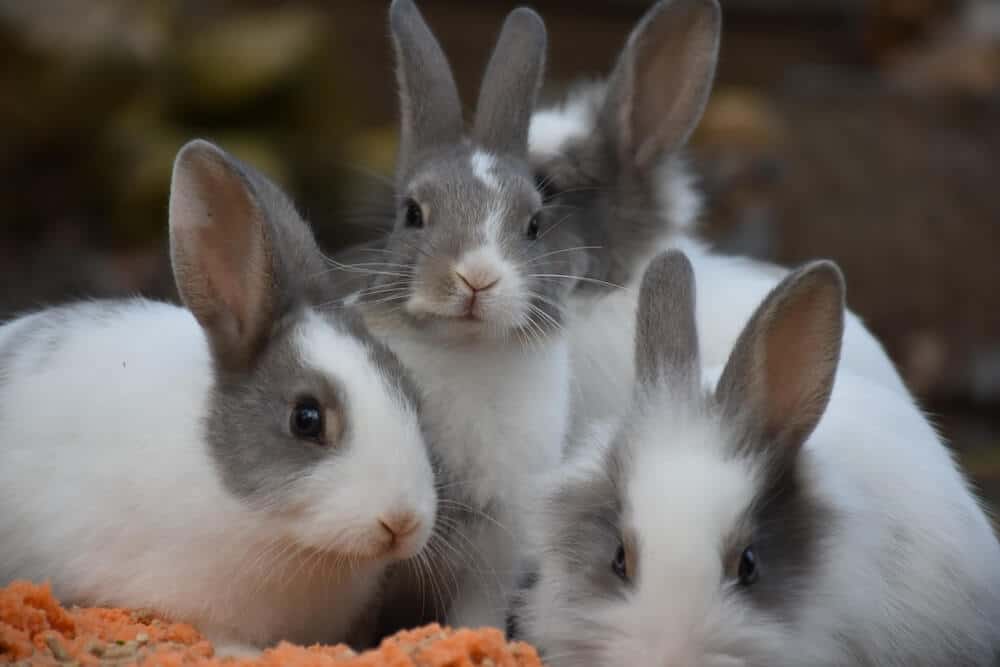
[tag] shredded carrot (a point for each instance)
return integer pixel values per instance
(35, 628)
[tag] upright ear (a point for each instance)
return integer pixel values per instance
(666, 337)
(661, 83)
(223, 251)
(781, 371)
(510, 85)
(431, 112)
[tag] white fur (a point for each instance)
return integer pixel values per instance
(552, 129)
(482, 168)
(107, 488)
(678, 199)
(498, 414)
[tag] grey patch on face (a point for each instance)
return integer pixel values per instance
(588, 530)
(789, 526)
(248, 423)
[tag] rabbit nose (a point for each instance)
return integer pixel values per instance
(400, 525)
(478, 282)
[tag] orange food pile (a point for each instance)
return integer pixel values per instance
(36, 630)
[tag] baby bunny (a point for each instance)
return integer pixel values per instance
(611, 158)
(468, 289)
(250, 464)
(795, 515)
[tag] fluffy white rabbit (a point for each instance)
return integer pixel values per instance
(794, 514)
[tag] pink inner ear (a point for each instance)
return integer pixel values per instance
(799, 359)
(225, 270)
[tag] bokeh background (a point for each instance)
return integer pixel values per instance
(867, 131)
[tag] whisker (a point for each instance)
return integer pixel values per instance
(579, 278)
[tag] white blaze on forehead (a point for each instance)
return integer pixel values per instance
(493, 223)
(482, 168)
(685, 493)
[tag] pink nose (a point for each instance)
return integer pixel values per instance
(400, 526)
(478, 282)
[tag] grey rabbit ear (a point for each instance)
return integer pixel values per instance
(666, 336)
(661, 83)
(781, 371)
(511, 83)
(224, 249)
(430, 109)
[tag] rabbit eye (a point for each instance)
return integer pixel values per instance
(747, 572)
(306, 421)
(620, 564)
(533, 224)
(414, 216)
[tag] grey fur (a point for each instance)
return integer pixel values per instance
(663, 78)
(513, 75)
(610, 180)
(666, 340)
(787, 525)
(247, 427)
(434, 170)
(430, 109)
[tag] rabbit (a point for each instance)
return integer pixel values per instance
(611, 157)
(468, 290)
(796, 514)
(250, 464)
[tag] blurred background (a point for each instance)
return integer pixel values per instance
(867, 131)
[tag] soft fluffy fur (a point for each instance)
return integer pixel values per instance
(146, 457)
(871, 549)
(492, 364)
(629, 196)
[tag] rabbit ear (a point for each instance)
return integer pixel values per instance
(429, 104)
(781, 372)
(224, 249)
(510, 85)
(661, 83)
(666, 338)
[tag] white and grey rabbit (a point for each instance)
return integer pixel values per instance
(796, 514)
(468, 289)
(611, 157)
(250, 464)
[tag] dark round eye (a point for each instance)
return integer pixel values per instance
(307, 419)
(620, 564)
(414, 217)
(748, 567)
(532, 232)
